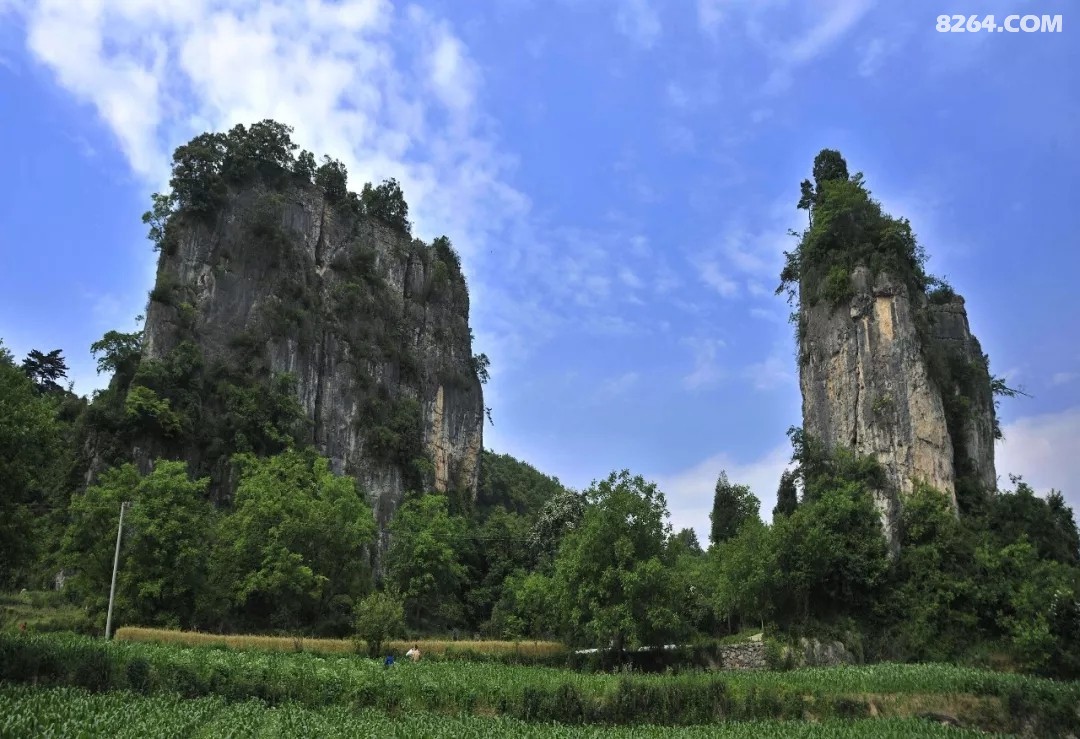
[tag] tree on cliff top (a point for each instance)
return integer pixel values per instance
(847, 229)
(209, 164)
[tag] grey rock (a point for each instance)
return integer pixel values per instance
(233, 281)
(866, 386)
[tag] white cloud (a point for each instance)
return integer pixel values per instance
(872, 56)
(391, 92)
(790, 34)
(678, 96)
(713, 276)
(628, 278)
(638, 21)
(678, 139)
(1045, 451)
(710, 15)
(775, 370)
(690, 492)
(834, 19)
(1063, 378)
(619, 385)
(706, 370)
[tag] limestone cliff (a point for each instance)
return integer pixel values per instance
(888, 366)
(365, 328)
(865, 386)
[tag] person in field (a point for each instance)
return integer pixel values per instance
(414, 653)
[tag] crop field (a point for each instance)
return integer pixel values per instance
(485, 691)
(27, 711)
(334, 646)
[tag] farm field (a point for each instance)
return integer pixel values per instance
(333, 646)
(27, 711)
(991, 701)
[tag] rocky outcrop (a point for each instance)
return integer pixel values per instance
(816, 653)
(974, 434)
(874, 378)
(370, 325)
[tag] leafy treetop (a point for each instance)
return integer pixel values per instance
(207, 166)
(847, 229)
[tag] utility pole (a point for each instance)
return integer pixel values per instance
(115, 565)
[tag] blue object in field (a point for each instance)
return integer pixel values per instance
(389, 660)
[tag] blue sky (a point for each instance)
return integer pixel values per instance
(619, 176)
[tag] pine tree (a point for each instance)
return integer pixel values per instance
(787, 499)
(733, 505)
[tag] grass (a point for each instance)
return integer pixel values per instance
(41, 611)
(333, 646)
(27, 711)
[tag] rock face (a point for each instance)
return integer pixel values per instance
(867, 385)
(975, 429)
(370, 326)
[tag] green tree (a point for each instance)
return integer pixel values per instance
(305, 167)
(88, 540)
(165, 554)
(610, 576)
(197, 184)
(561, 514)
(45, 369)
(744, 572)
(513, 485)
(378, 618)
(684, 542)
(117, 352)
(930, 603)
(387, 203)
(1047, 523)
(1024, 594)
(787, 497)
(333, 178)
(157, 218)
(423, 558)
(733, 505)
(499, 552)
(831, 554)
(295, 542)
(28, 437)
(528, 607)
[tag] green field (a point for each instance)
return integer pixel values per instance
(26, 711)
(469, 694)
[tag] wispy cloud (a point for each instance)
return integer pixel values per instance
(639, 22)
(614, 387)
(775, 370)
(1045, 451)
(706, 369)
(789, 34)
(713, 275)
(872, 56)
(678, 139)
(1063, 378)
